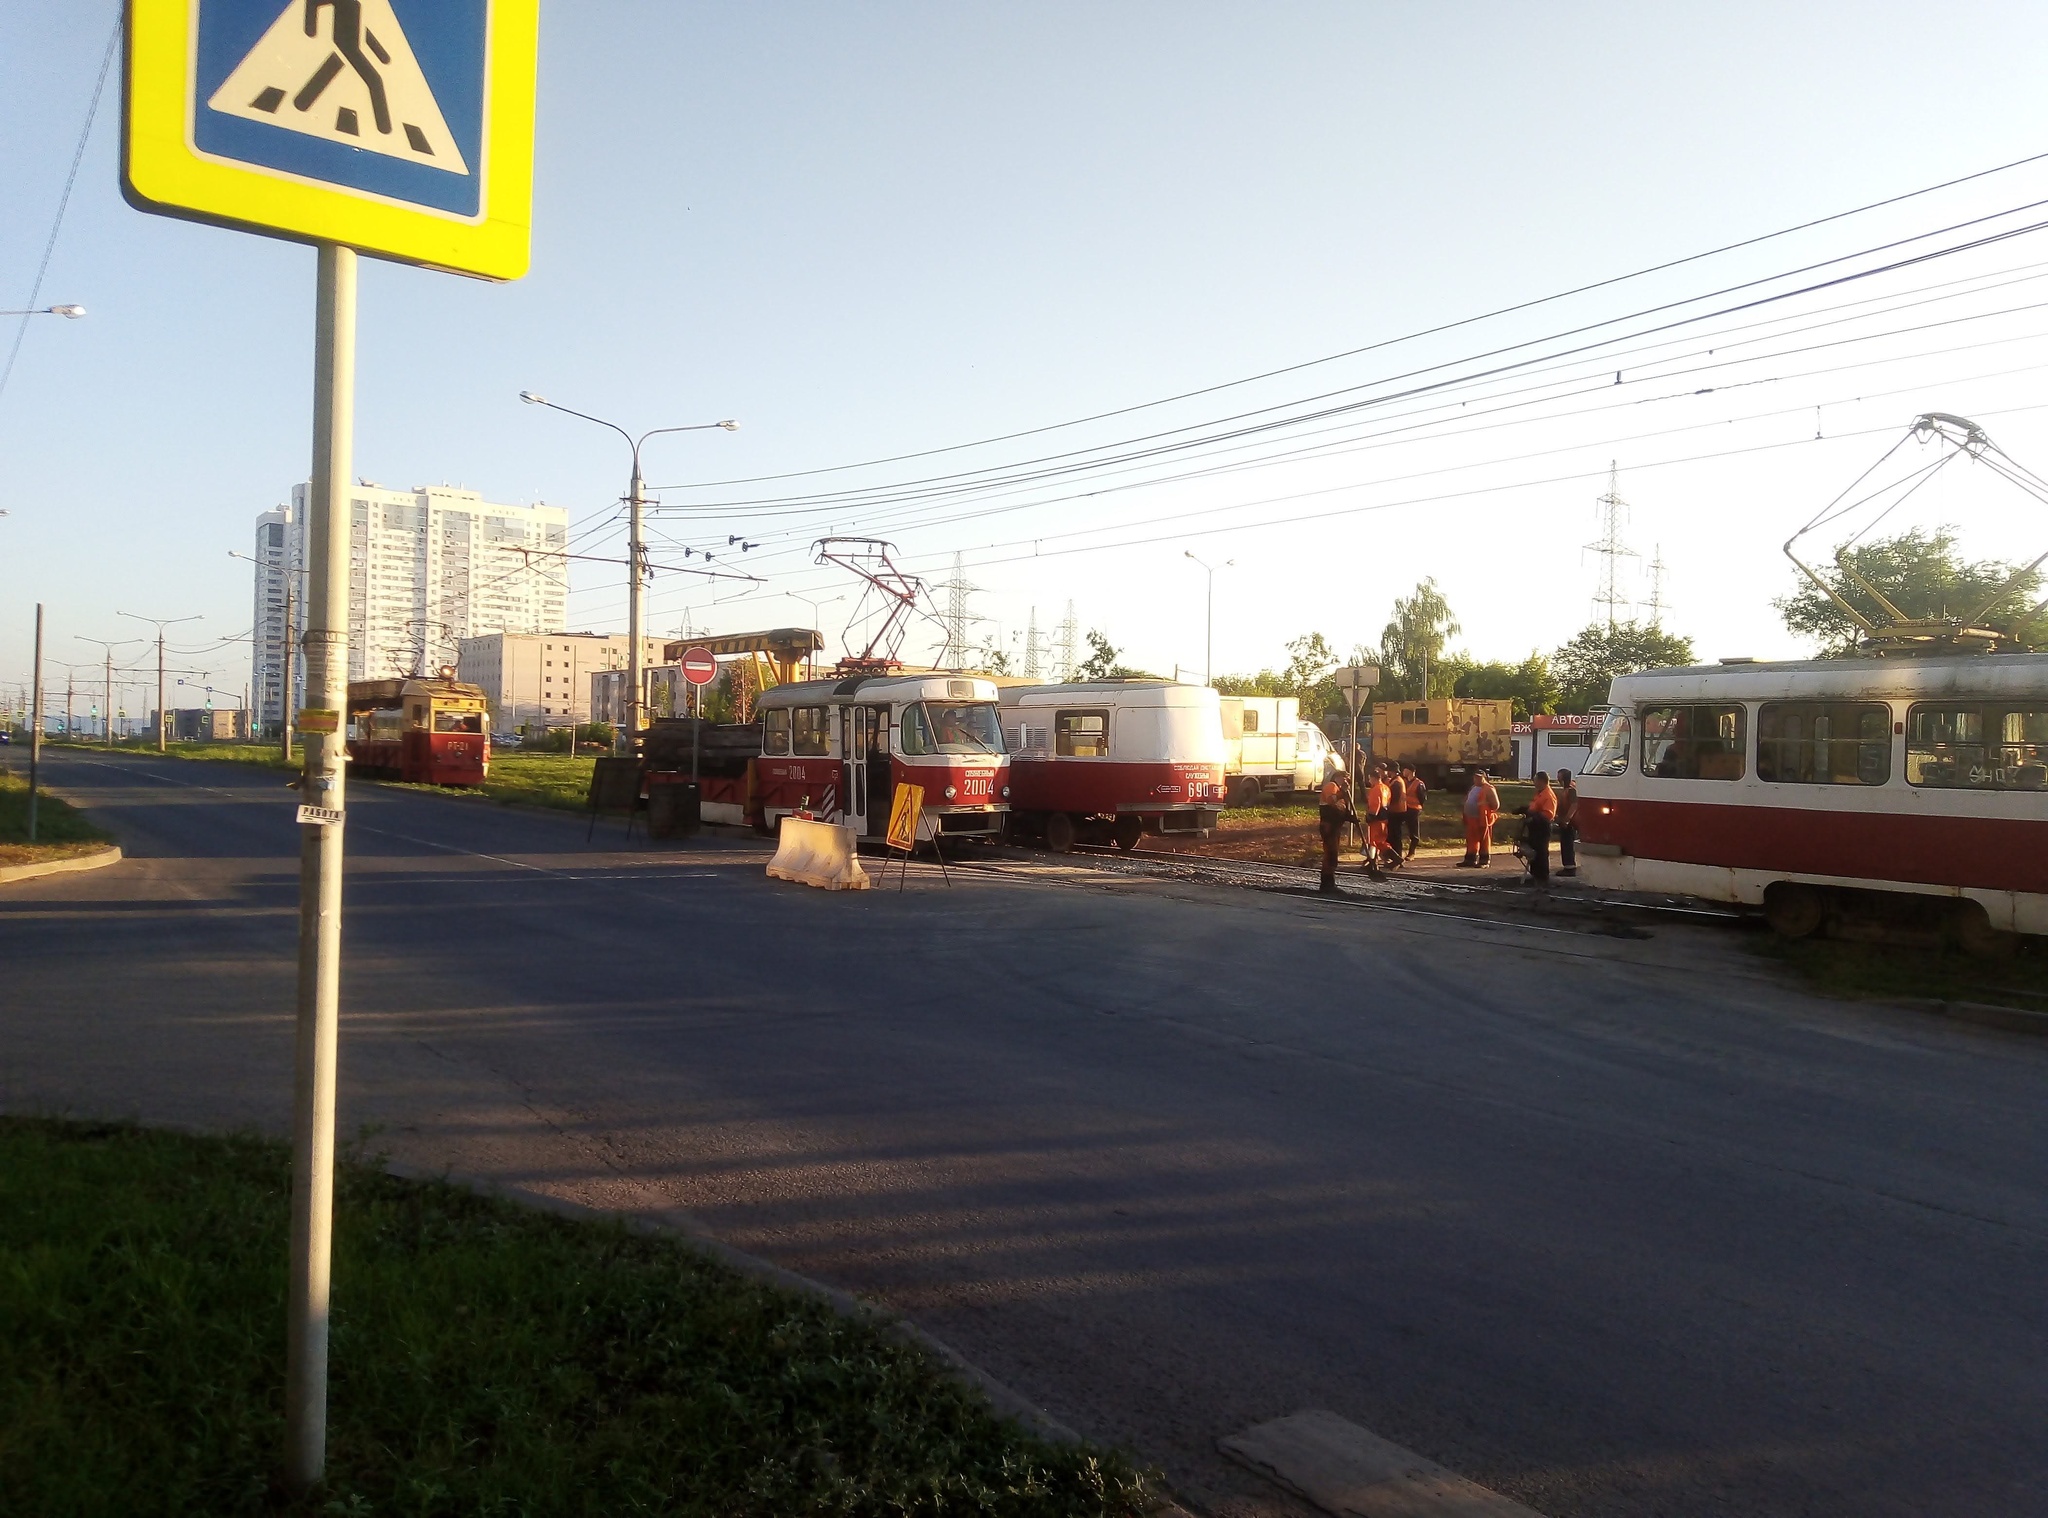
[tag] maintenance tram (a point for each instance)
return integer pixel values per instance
(1829, 788)
(1113, 760)
(840, 747)
(433, 731)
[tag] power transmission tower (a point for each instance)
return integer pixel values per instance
(1613, 512)
(959, 617)
(1069, 629)
(1656, 601)
(1032, 645)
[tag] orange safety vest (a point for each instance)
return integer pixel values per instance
(1416, 791)
(1333, 792)
(1543, 803)
(1376, 796)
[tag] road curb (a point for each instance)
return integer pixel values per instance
(106, 856)
(1005, 1400)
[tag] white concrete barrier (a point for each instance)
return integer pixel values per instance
(818, 854)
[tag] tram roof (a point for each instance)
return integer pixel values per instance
(1959, 675)
(902, 687)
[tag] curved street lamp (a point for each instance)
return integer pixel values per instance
(71, 312)
(636, 550)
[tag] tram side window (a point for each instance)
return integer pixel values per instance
(458, 722)
(1977, 748)
(1823, 743)
(1610, 748)
(1083, 735)
(810, 731)
(775, 731)
(1693, 742)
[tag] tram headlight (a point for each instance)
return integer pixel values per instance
(1006, 793)
(950, 792)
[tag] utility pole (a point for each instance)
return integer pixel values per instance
(284, 700)
(1031, 671)
(107, 712)
(161, 624)
(35, 725)
(1613, 511)
(1066, 631)
(1209, 618)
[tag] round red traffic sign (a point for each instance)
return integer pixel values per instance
(699, 668)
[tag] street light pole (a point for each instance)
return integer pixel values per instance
(161, 624)
(35, 726)
(636, 549)
(107, 712)
(1209, 618)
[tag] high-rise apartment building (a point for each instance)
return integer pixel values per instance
(543, 680)
(278, 546)
(428, 568)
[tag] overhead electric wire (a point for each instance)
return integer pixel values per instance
(854, 495)
(1509, 310)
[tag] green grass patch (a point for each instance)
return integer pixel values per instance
(557, 780)
(61, 832)
(1871, 971)
(486, 1359)
(265, 753)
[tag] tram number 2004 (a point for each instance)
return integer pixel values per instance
(978, 785)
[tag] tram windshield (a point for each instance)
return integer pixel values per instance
(1610, 748)
(458, 722)
(951, 727)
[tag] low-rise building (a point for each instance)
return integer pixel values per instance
(204, 724)
(542, 680)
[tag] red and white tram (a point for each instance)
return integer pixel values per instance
(841, 747)
(1805, 787)
(429, 731)
(1115, 759)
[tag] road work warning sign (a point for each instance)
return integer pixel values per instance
(402, 128)
(904, 812)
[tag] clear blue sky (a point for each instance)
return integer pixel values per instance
(868, 231)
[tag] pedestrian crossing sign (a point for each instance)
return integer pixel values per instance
(400, 128)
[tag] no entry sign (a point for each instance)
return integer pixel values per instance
(699, 668)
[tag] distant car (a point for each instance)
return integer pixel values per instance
(6, 737)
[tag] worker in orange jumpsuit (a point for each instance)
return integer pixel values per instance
(1332, 815)
(1378, 798)
(1542, 810)
(1417, 793)
(1482, 806)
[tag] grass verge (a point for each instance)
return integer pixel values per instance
(61, 833)
(1870, 972)
(486, 1359)
(264, 754)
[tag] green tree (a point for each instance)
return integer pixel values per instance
(1412, 646)
(1585, 666)
(1923, 575)
(1105, 661)
(1531, 685)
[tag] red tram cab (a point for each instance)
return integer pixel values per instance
(431, 731)
(1115, 759)
(1810, 788)
(842, 746)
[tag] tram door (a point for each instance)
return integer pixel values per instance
(867, 755)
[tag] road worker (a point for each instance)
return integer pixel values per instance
(1332, 815)
(1482, 806)
(1377, 795)
(1537, 817)
(1412, 817)
(1397, 810)
(1567, 824)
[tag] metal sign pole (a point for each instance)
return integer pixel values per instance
(320, 861)
(35, 726)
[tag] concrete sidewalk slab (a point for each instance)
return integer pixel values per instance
(1354, 1473)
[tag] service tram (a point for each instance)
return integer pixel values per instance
(433, 731)
(840, 747)
(1110, 761)
(1824, 788)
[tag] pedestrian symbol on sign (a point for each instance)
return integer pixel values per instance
(342, 70)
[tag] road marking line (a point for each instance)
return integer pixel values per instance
(1354, 1473)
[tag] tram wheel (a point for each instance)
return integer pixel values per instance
(1059, 833)
(1975, 936)
(1128, 831)
(1795, 911)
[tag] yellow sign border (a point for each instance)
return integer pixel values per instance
(163, 174)
(905, 812)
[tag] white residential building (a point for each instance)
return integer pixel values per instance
(428, 567)
(278, 545)
(543, 679)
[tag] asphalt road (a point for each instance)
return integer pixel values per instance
(1618, 1227)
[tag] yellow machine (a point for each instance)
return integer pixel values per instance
(1445, 739)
